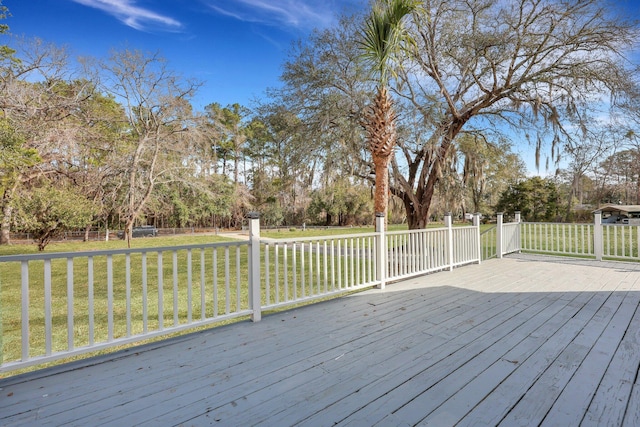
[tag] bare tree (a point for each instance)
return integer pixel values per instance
(583, 153)
(156, 102)
(627, 126)
(530, 63)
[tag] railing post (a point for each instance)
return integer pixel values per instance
(449, 225)
(499, 235)
(476, 224)
(381, 253)
(519, 231)
(254, 266)
(598, 240)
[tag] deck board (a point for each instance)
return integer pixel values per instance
(526, 340)
(617, 382)
(582, 387)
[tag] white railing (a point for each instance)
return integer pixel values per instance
(501, 239)
(488, 243)
(303, 269)
(74, 303)
(59, 305)
(558, 238)
(507, 236)
(621, 241)
(596, 240)
(416, 252)
(63, 304)
(466, 248)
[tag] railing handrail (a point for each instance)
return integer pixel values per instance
(421, 230)
(557, 222)
(107, 252)
(594, 240)
(285, 240)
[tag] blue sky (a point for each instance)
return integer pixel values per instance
(236, 47)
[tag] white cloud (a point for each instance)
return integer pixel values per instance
(298, 14)
(131, 15)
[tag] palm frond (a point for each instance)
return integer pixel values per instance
(383, 34)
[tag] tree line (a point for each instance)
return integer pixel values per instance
(116, 141)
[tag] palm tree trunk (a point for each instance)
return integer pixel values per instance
(381, 197)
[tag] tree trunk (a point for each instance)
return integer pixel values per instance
(5, 227)
(128, 230)
(381, 197)
(7, 211)
(417, 202)
(416, 219)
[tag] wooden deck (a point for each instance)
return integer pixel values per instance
(520, 341)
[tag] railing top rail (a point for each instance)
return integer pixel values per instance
(558, 223)
(421, 230)
(314, 239)
(464, 227)
(63, 255)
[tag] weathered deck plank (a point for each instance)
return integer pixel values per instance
(618, 380)
(580, 390)
(520, 341)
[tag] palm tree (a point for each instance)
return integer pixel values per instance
(382, 38)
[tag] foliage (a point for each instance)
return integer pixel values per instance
(230, 134)
(13, 154)
(192, 205)
(6, 53)
(489, 167)
(341, 203)
(283, 163)
(47, 212)
(621, 171)
(537, 200)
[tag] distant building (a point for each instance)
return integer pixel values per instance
(620, 214)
